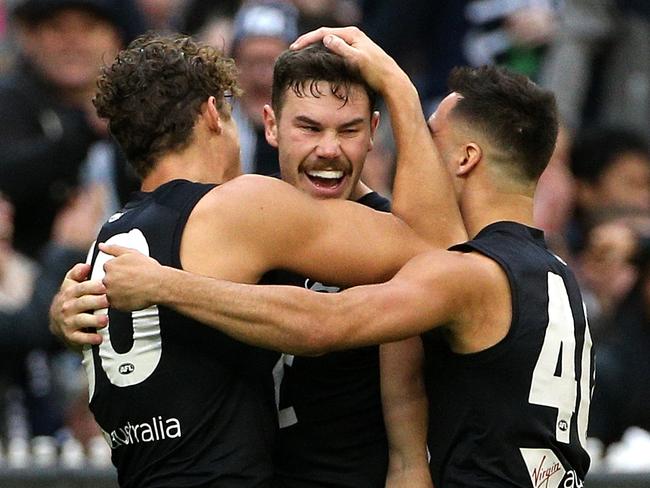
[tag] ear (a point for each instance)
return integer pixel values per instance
(270, 126)
(472, 155)
(211, 115)
(374, 123)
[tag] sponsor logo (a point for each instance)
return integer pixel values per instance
(544, 468)
(158, 429)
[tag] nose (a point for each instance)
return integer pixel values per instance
(328, 146)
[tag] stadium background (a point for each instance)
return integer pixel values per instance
(595, 55)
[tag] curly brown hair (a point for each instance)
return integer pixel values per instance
(153, 92)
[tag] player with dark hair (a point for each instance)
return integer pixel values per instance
(509, 353)
(216, 427)
(332, 427)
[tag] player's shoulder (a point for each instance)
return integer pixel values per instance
(460, 273)
(247, 200)
(438, 260)
(248, 189)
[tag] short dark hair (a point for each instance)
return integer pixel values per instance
(302, 70)
(519, 117)
(596, 148)
(153, 92)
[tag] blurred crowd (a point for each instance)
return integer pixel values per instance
(61, 174)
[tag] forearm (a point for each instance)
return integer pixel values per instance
(423, 194)
(272, 317)
(405, 412)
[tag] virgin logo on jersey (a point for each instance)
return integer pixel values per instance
(317, 286)
(157, 429)
(546, 470)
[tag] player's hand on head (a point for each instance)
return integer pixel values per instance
(375, 65)
(131, 278)
(71, 311)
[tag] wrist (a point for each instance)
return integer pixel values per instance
(165, 289)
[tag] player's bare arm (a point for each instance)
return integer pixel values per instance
(422, 183)
(405, 408)
(423, 295)
(241, 230)
(255, 224)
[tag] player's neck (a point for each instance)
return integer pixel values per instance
(189, 164)
(359, 191)
(479, 211)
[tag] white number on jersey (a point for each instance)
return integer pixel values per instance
(558, 355)
(137, 364)
(286, 416)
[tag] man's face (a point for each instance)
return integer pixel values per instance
(625, 183)
(255, 58)
(322, 143)
(69, 46)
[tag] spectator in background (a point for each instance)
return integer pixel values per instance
(622, 390)
(211, 22)
(611, 168)
(316, 13)
(48, 127)
(161, 15)
(30, 403)
(603, 265)
(262, 31)
(599, 64)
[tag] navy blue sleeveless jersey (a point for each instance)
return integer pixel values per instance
(332, 430)
(181, 404)
(515, 414)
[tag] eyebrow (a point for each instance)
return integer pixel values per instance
(306, 120)
(352, 123)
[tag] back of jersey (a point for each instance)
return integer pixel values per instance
(180, 404)
(516, 413)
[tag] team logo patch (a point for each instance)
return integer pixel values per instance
(544, 468)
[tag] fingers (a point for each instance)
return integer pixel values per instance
(338, 46)
(114, 249)
(91, 287)
(81, 337)
(78, 306)
(79, 272)
(348, 34)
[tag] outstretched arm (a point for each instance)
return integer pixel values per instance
(424, 294)
(423, 194)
